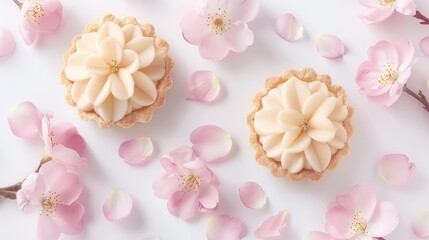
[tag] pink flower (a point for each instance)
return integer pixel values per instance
(53, 194)
(220, 26)
(356, 215)
(382, 77)
(375, 11)
(39, 16)
(188, 184)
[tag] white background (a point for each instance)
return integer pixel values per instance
(32, 74)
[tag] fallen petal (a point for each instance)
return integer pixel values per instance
(7, 43)
(224, 227)
(420, 225)
(396, 169)
(272, 226)
(117, 206)
(151, 237)
(136, 151)
(424, 44)
(314, 235)
(252, 195)
(329, 46)
(25, 120)
(211, 143)
(289, 28)
(203, 86)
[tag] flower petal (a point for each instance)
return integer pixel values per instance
(25, 120)
(321, 129)
(272, 226)
(329, 46)
(203, 86)
(213, 47)
(318, 155)
(289, 28)
(406, 7)
(224, 227)
(183, 205)
(27, 32)
(75, 70)
(96, 65)
(314, 235)
(69, 158)
(194, 27)
(424, 44)
(67, 135)
(145, 48)
(252, 195)
(156, 70)
(265, 121)
(47, 229)
(112, 109)
(145, 92)
(208, 196)
(7, 43)
(136, 151)
(384, 220)
(211, 143)
(109, 29)
(338, 222)
(118, 205)
(290, 120)
(111, 51)
(122, 85)
(420, 224)
(244, 10)
(239, 37)
(396, 169)
(69, 218)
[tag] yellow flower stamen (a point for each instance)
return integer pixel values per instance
(386, 3)
(389, 76)
(305, 125)
(34, 12)
(189, 182)
(219, 22)
(50, 203)
(113, 67)
(359, 225)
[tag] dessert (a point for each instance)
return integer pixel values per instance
(117, 72)
(300, 124)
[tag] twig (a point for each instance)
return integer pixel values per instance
(14, 187)
(18, 3)
(8, 194)
(423, 18)
(420, 97)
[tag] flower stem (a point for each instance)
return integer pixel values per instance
(423, 18)
(8, 194)
(18, 3)
(418, 96)
(14, 187)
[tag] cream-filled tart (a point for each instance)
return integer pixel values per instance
(300, 124)
(117, 72)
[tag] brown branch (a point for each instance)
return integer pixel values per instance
(419, 97)
(18, 3)
(8, 194)
(14, 187)
(423, 18)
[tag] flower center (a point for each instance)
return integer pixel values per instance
(50, 203)
(387, 3)
(219, 22)
(390, 75)
(113, 67)
(189, 182)
(305, 125)
(359, 225)
(34, 12)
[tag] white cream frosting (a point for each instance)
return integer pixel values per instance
(300, 124)
(114, 71)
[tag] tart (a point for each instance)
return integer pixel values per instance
(117, 72)
(300, 124)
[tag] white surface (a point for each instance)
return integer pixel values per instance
(32, 74)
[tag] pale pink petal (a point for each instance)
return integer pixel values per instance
(252, 195)
(213, 47)
(203, 86)
(396, 169)
(118, 205)
(136, 151)
(211, 143)
(51, 18)
(69, 158)
(376, 15)
(239, 37)
(184, 205)
(194, 27)
(330, 46)
(314, 235)
(384, 220)
(224, 227)
(208, 196)
(424, 44)
(47, 229)
(28, 34)
(7, 43)
(25, 120)
(406, 7)
(272, 227)
(420, 225)
(244, 10)
(165, 186)
(338, 222)
(67, 135)
(289, 28)
(359, 198)
(69, 218)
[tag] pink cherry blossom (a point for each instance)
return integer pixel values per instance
(7, 43)
(118, 205)
(203, 86)
(25, 120)
(356, 215)
(396, 169)
(220, 26)
(53, 194)
(375, 11)
(382, 77)
(272, 227)
(188, 184)
(252, 195)
(224, 227)
(211, 143)
(39, 16)
(136, 151)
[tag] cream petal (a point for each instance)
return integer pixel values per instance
(131, 31)
(145, 92)
(145, 48)
(340, 112)
(290, 120)
(265, 121)
(79, 96)
(272, 99)
(111, 51)
(95, 84)
(321, 129)
(340, 137)
(312, 104)
(289, 137)
(326, 108)
(103, 93)
(318, 86)
(122, 85)
(272, 145)
(96, 65)
(87, 43)
(110, 29)
(293, 162)
(112, 110)
(299, 144)
(156, 70)
(130, 61)
(75, 70)
(318, 156)
(294, 93)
